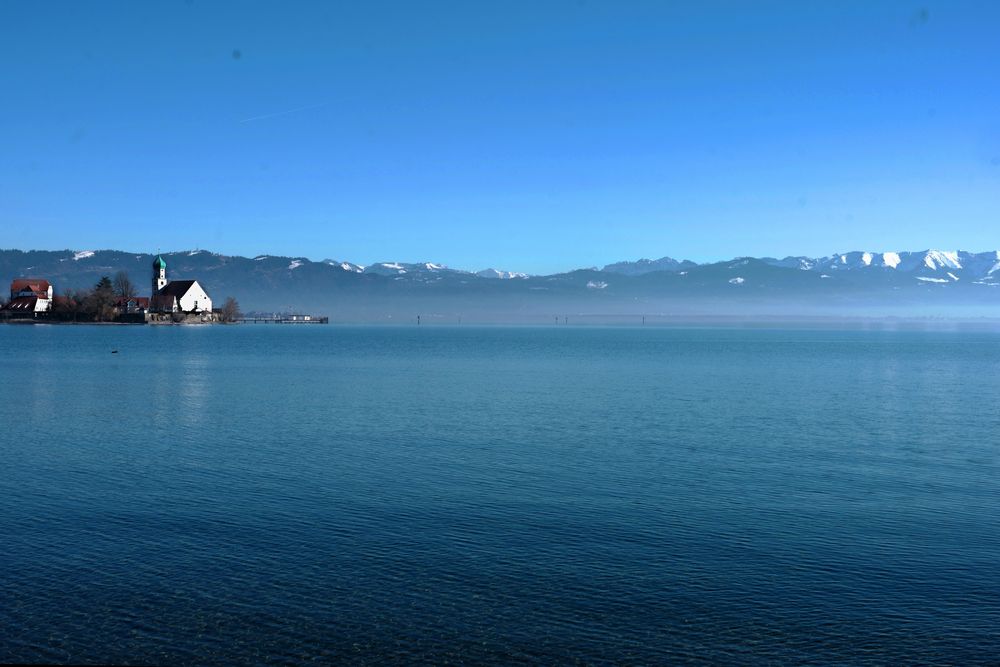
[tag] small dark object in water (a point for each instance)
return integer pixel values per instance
(114, 351)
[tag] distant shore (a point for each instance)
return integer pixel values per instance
(893, 323)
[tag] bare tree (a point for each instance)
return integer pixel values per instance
(123, 286)
(70, 302)
(74, 304)
(230, 311)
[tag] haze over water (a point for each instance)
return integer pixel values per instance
(221, 495)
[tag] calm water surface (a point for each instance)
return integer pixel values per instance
(270, 494)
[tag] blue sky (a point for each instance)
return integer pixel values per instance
(537, 136)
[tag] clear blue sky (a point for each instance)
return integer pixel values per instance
(536, 135)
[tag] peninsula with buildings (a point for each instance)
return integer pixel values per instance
(116, 299)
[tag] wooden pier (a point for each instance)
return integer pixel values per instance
(284, 319)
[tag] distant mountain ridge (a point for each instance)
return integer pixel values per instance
(976, 265)
(641, 266)
(927, 282)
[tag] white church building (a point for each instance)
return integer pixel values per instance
(177, 296)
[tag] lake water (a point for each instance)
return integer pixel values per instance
(304, 494)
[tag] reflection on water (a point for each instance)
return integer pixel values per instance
(191, 396)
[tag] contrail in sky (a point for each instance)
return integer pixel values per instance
(284, 113)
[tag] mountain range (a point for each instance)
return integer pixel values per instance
(925, 283)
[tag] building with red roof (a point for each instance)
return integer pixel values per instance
(30, 295)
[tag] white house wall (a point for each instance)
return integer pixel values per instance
(196, 298)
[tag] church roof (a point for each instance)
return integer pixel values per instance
(177, 288)
(159, 263)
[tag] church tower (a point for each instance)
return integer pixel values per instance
(159, 275)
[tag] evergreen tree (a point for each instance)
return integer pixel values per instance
(103, 300)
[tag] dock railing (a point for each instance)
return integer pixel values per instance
(283, 319)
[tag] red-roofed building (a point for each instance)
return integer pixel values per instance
(30, 295)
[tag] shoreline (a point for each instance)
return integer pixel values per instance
(875, 324)
(34, 322)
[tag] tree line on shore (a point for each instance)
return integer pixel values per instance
(100, 303)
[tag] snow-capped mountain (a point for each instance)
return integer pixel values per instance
(500, 275)
(940, 266)
(425, 268)
(346, 266)
(850, 260)
(399, 268)
(642, 266)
